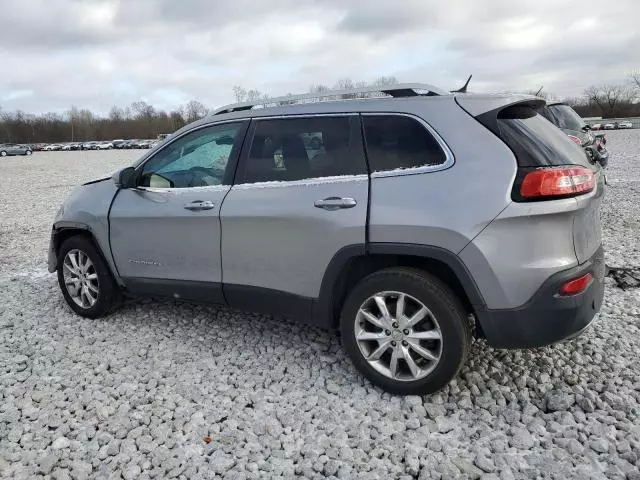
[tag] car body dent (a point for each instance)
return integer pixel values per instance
(87, 208)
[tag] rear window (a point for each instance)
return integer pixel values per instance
(535, 141)
(564, 117)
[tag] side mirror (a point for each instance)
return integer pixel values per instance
(125, 178)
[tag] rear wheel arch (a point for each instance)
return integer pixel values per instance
(353, 263)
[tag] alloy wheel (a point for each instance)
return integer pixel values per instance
(398, 336)
(81, 278)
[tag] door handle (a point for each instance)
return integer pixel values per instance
(335, 203)
(200, 205)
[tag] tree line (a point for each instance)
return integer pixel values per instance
(141, 120)
(138, 120)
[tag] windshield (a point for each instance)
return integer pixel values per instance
(535, 141)
(565, 117)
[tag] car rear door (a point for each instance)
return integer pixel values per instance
(165, 233)
(300, 196)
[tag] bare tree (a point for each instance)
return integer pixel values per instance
(253, 95)
(194, 110)
(608, 97)
(383, 81)
(240, 93)
(634, 79)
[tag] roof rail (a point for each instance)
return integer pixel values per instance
(398, 90)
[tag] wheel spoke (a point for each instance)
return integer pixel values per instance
(423, 352)
(417, 317)
(74, 262)
(92, 276)
(415, 370)
(92, 288)
(365, 336)
(400, 306)
(69, 268)
(426, 335)
(378, 352)
(382, 306)
(393, 364)
(371, 318)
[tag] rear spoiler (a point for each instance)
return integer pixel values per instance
(476, 105)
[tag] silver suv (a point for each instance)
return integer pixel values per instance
(411, 222)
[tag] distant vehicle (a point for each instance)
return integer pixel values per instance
(71, 146)
(89, 146)
(37, 147)
(625, 124)
(7, 149)
(566, 119)
(105, 146)
(596, 126)
(121, 144)
(609, 126)
(52, 147)
(147, 144)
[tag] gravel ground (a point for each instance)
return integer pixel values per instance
(136, 394)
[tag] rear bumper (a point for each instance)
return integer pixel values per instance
(548, 318)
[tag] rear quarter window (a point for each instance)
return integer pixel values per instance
(535, 141)
(397, 142)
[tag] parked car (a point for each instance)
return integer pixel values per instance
(596, 126)
(71, 146)
(146, 144)
(405, 235)
(89, 146)
(625, 124)
(121, 144)
(609, 126)
(105, 146)
(566, 118)
(52, 147)
(7, 149)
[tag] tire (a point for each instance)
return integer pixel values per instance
(3, 153)
(446, 318)
(107, 296)
(28, 152)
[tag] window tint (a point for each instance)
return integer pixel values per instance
(299, 148)
(398, 142)
(535, 141)
(199, 159)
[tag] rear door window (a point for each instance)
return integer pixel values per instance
(535, 141)
(398, 142)
(299, 148)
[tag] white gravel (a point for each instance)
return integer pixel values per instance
(135, 395)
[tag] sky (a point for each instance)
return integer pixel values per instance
(98, 53)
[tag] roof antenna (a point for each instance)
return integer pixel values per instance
(463, 89)
(538, 92)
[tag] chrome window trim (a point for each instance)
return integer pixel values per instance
(303, 182)
(448, 154)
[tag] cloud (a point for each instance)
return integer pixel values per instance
(97, 53)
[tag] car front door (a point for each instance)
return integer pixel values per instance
(165, 233)
(300, 196)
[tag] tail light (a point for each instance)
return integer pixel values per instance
(557, 182)
(575, 286)
(575, 140)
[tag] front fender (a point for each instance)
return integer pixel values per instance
(86, 210)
